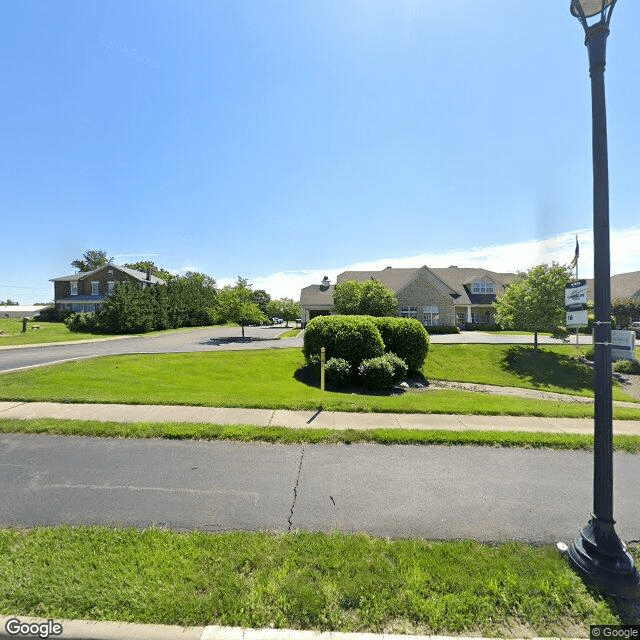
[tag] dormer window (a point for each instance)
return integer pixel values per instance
(483, 287)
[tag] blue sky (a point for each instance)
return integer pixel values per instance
(283, 140)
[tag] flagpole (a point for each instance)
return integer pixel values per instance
(577, 328)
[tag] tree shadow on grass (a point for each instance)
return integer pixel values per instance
(546, 368)
(216, 342)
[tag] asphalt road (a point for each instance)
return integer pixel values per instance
(537, 496)
(207, 339)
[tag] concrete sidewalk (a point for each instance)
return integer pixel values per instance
(303, 419)
(85, 630)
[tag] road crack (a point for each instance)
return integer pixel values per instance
(295, 491)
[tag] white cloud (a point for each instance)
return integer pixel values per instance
(517, 256)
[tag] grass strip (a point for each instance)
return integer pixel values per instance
(285, 435)
(255, 379)
(349, 583)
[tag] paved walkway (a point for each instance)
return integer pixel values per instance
(303, 419)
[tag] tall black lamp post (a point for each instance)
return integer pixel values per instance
(598, 552)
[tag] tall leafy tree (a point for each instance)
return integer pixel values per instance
(284, 308)
(190, 297)
(235, 304)
(92, 259)
(369, 298)
(262, 299)
(534, 300)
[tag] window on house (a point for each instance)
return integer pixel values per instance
(95, 288)
(483, 287)
(409, 312)
(111, 287)
(74, 288)
(431, 316)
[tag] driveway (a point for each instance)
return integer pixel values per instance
(207, 339)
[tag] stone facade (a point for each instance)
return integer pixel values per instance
(433, 306)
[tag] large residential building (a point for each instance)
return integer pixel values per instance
(86, 291)
(454, 296)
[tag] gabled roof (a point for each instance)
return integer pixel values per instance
(453, 281)
(623, 285)
(138, 275)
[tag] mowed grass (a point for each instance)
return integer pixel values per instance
(299, 580)
(11, 332)
(286, 435)
(551, 368)
(258, 379)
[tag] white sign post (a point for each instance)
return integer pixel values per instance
(575, 304)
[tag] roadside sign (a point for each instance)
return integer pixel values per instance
(575, 293)
(623, 345)
(578, 318)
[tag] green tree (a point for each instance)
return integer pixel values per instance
(235, 304)
(534, 300)
(262, 299)
(284, 308)
(189, 299)
(625, 310)
(9, 303)
(92, 259)
(128, 309)
(369, 298)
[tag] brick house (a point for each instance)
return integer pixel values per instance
(86, 291)
(447, 297)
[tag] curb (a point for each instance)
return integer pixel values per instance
(86, 630)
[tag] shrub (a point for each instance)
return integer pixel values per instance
(627, 366)
(406, 337)
(84, 322)
(337, 372)
(400, 367)
(49, 314)
(352, 338)
(376, 373)
(441, 329)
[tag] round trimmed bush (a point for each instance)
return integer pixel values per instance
(407, 338)
(400, 367)
(352, 338)
(337, 372)
(376, 373)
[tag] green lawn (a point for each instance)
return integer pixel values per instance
(11, 333)
(272, 379)
(551, 368)
(300, 580)
(290, 333)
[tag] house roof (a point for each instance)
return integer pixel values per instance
(453, 281)
(317, 295)
(623, 285)
(138, 275)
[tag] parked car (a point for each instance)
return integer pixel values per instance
(635, 326)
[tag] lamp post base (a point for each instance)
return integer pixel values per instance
(603, 559)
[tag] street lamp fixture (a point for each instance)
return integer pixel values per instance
(598, 553)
